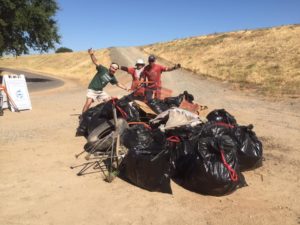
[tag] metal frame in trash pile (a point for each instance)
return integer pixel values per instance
(108, 162)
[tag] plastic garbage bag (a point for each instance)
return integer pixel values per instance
(188, 97)
(213, 167)
(85, 120)
(214, 129)
(182, 154)
(250, 148)
(142, 165)
(176, 101)
(137, 137)
(158, 106)
(220, 115)
(132, 112)
(129, 111)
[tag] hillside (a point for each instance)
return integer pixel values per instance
(73, 65)
(267, 59)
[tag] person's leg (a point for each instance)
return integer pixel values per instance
(91, 96)
(102, 96)
(87, 104)
(157, 93)
(1, 103)
(149, 94)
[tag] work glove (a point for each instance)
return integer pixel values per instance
(90, 51)
(176, 66)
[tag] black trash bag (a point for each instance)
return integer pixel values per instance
(188, 97)
(102, 112)
(124, 101)
(208, 173)
(85, 120)
(106, 111)
(131, 111)
(174, 101)
(137, 137)
(158, 106)
(140, 170)
(220, 115)
(147, 163)
(185, 131)
(99, 116)
(182, 154)
(250, 148)
(214, 129)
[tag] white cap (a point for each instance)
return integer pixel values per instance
(140, 61)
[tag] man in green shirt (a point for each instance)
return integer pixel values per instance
(100, 80)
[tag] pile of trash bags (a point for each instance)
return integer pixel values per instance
(204, 155)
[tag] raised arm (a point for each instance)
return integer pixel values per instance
(93, 58)
(124, 68)
(175, 67)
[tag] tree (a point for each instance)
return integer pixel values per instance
(27, 24)
(63, 49)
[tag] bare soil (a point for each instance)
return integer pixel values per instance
(38, 147)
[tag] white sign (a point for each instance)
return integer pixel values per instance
(18, 96)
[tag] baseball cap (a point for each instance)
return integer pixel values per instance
(151, 58)
(140, 62)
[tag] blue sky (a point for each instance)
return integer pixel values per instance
(101, 24)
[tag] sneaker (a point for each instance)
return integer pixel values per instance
(79, 132)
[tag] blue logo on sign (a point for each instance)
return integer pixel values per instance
(19, 94)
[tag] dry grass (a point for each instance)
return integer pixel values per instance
(74, 65)
(268, 59)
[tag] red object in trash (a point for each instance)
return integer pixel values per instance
(192, 107)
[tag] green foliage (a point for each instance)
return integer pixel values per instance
(27, 24)
(63, 49)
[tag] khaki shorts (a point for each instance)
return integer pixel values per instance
(100, 96)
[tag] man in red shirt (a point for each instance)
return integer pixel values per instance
(135, 72)
(152, 73)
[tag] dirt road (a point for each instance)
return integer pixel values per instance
(38, 146)
(35, 82)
